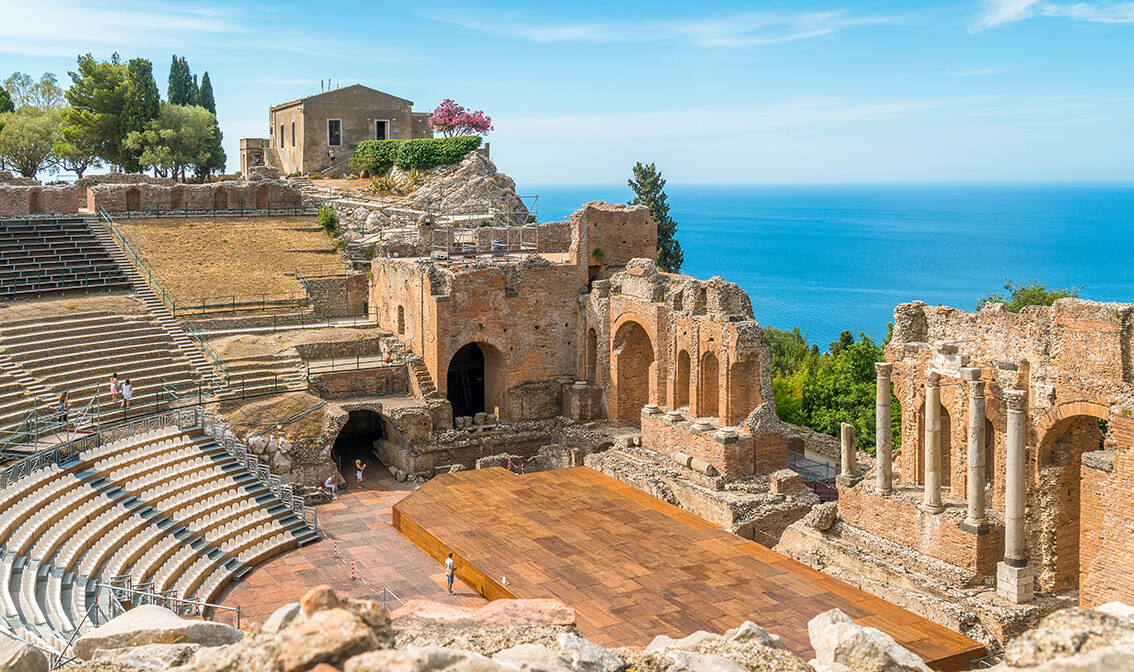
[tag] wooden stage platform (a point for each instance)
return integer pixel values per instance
(634, 567)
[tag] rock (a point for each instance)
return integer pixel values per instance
(320, 598)
(749, 632)
(254, 653)
(1066, 633)
(149, 656)
(1109, 658)
(822, 516)
(1119, 609)
(151, 624)
(370, 612)
(587, 656)
(837, 639)
(328, 636)
(533, 657)
(683, 661)
(423, 659)
(661, 642)
(281, 618)
(16, 656)
(526, 612)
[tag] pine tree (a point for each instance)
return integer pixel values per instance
(649, 190)
(194, 91)
(141, 105)
(217, 158)
(6, 101)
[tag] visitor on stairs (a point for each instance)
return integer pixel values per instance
(359, 467)
(127, 392)
(64, 408)
(113, 387)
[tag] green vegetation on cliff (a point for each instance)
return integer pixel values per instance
(822, 389)
(1035, 293)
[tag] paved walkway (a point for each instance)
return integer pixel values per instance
(360, 521)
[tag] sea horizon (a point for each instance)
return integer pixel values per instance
(832, 257)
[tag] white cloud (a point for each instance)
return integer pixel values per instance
(730, 31)
(999, 12)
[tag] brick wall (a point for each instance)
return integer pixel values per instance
(23, 200)
(1106, 550)
(898, 519)
(367, 383)
(622, 232)
(734, 459)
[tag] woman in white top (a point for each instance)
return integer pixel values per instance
(450, 571)
(127, 392)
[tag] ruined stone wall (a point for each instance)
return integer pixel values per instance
(226, 195)
(338, 296)
(366, 383)
(19, 200)
(622, 232)
(1106, 550)
(1074, 361)
(730, 457)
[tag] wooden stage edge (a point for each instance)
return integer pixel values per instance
(633, 567)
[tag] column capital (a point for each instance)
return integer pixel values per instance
(883, 369)
(976, 388)
(1017, 400)
(932, 379)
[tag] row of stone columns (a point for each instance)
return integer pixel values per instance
(1014, 580)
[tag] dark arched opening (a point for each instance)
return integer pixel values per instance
(466, 381)
(357, 439)
(681, 384)
(709, 378)
(633, 356)
(592, 355)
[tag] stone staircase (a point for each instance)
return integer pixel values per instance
(156, 306)
(422, 384)
(266, 374)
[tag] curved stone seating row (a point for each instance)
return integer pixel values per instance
(169, 509)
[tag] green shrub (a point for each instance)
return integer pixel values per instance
(327, 219)
(384, 184)
(376, 156)
(296, 174)
(314, 176)
(415, 177)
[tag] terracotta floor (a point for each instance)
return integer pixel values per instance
(634, 567)
(360, 521)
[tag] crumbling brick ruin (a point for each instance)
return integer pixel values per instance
(1014, 404)
(118, 192)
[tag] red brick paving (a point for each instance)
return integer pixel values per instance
(360, 521)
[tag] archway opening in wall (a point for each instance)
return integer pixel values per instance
(592, 355)
(220, 198)
(681, 382)
(1054, 545)
(401, 320)
(709, 379)
(358, 440)
(133, 198)
(260, 197)
(476, 380)
(633, 354)
(177, 198)
(946, 449)
(989, 455)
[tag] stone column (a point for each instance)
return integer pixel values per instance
(974, 520)
(849, 475)
(931, 503)
(883, 438)
(1014, 579)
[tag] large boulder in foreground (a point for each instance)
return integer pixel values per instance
(487, 630)
(840, 643)
(151, 624)
(1067, 633)
(16, 656)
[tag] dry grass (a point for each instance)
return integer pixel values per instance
(251, 416)
(193, 259)
(19, 311)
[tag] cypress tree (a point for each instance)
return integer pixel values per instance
(194, 92)
(141, 105)
(649, 190)
(181, 84)
(205, 95)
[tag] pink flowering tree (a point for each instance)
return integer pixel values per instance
(451, 119)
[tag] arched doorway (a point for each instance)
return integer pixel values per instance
(357, 440)
(133, 198)
(946, 449)
(710, 381)
(475, 380)
(220, 198)
(632, 356)
(681, 383)
(1055, 500)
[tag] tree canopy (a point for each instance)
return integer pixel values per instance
(1034, 293)
(649, 190)
(27, 139)
(451, 119)
(177, 139)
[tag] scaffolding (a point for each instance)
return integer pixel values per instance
(486, 234)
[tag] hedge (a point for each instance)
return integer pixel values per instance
(376, 156)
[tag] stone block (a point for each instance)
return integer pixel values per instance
(786, 482)
(726, 435)
(1015, 584)
(970, 373)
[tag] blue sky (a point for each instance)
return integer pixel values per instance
(737, 92)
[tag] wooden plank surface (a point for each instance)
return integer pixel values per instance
(634, 567)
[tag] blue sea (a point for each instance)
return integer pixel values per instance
(829, 258)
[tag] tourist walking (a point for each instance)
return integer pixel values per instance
(113, 387)
(64, 408)
(450, 571)
(359, 467)
(127, 392)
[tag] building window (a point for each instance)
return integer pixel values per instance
(382, 129)
(293, 134)
(335, 132)
(279, 140)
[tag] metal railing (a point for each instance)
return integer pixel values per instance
(242, 209)
(208, 350)
(62, 658)
(306, 271)
(121, 587)
(137, 262)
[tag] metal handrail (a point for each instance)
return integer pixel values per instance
(58, 661)
(296, 208)
(208, 350)
(137, 261)
(161, 599)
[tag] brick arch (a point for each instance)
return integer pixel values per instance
(709, 385)
(633, 364)
(495, 371)
(1067, 410)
